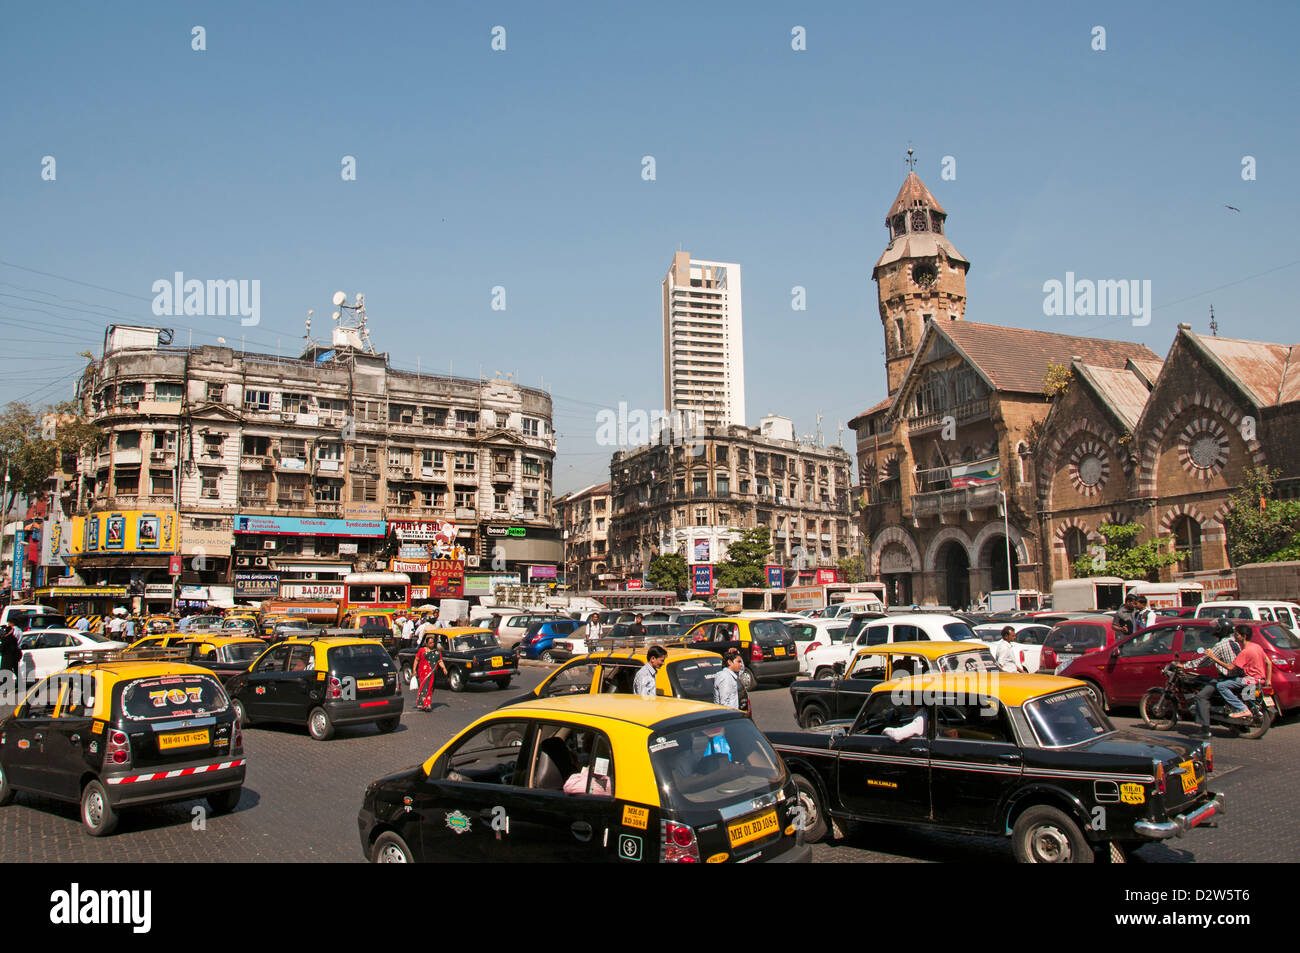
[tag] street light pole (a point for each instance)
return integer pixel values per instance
(1006, 530)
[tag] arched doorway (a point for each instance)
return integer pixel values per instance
(995, 556)
(956, 574)
(1187, 540)
(1076, 544)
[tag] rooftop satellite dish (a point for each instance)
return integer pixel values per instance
(336, 315)
(221, 340)
(339, 298)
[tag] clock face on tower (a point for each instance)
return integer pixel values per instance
(924, 275)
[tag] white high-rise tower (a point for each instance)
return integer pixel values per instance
(704, 354)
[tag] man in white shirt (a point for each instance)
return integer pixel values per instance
(1005, 652)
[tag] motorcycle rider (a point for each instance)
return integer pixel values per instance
(1256, 668)
(1221, 654)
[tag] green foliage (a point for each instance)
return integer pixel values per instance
(1262, 537)
(31, 458)
(668, 573)
(1125, 557)
(1057, 381)
(746, 564)
(854, 568)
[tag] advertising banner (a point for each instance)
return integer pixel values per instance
(409, 565)
(702, 580)
(827, 575)
(775, 577)
(701, 551)
(446, 579)
(257, 585)
(541, 572)
(633, 584)
(125, 531)
(311, 590)
(296, 526)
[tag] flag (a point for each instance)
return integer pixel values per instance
(976, 474)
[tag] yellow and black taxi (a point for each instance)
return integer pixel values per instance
(223, 655)
(122, 734)
(766, 645)
(162, 640)
(472, 656)
(160, 623)
(686, 673)
(267, 624)
(596, 778)
(321, 683)
(820, 700)
(1029, 757)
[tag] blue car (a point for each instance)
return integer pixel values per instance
(540, 637)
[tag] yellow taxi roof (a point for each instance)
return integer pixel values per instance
(144, 668)
(327, 640)
(675, 653)
(462, 630)
(633, 709)
(930, 650)
(220, 639)
(1009, 688)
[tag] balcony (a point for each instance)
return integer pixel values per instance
(400, 473)
(162, 458)
(329, 509)
(252, 462)
(953, 501)
(961, 413)
(292, 464)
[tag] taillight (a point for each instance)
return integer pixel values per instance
(756, 652)
(679, 846)
(811, 646)
(1160, 778)
(119, 747)
(336, 688)
(236, 740)
(1209, 758)
(1048, 658)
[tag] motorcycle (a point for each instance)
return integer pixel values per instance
(1162, 708)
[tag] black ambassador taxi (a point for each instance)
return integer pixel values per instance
(118, 734)
(603, 778)
(472, 656)
(321, 683)
(223, 655)
(1030, 757)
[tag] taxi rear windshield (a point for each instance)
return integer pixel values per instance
(770, 632)
(245, 651)
(695, 677)
(172, 696)
(1079, 636)
(468, 643)
(1067, 718)
(715, 764)
(976, 660)
(350, 659)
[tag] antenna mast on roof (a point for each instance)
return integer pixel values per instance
(1214, 325)
(911, 159)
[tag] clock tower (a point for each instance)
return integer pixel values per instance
(920, 275)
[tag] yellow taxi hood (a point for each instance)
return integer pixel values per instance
(1008, 688)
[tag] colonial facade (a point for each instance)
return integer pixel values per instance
(584, 516)
(1165, 444)
(695, 498)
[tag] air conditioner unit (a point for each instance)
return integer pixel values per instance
(407, 471)
(287, 418)
(241, 560)
(268, 544)
(260, 560)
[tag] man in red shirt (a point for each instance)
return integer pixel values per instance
(1258, 670)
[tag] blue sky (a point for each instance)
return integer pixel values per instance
(522, 168)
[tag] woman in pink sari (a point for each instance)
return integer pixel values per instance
(427, 661)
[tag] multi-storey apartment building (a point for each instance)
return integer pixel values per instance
(304, 466)
(695, 498)
(585, 516)
(704, 354)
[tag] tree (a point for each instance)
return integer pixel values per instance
(31, 453)
(668, 573)
(1262, 528)
(746, 564)
(1125, 557)
(854, 568)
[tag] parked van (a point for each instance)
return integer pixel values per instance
(1167, 595)
(1094, 594)
(1288, 613)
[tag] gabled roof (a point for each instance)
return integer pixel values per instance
(1015, 360)
(1123, 390)
(1267, 374)
(873, 409)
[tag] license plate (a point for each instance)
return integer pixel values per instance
(1188, 777)
(370, 683)
(752, 828)
(1269, 702)
(778, 651)
(497, 661)
(183, 739)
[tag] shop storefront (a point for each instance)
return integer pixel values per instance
(535, 553)
(302, 550)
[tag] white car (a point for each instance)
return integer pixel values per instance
(1029, 639)
(45, 652)
(843, 609)
(1288, 613)
(814, 633)
(830, 660)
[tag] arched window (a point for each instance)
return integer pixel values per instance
(1187, 540)
(1076, 545)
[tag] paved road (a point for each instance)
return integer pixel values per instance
(301, 798)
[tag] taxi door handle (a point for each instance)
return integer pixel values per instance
(76, 739)
(919, 750)
(581, 830)
(1009, 757)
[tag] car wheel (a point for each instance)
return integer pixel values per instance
(814, 816)
(824, 672)
(241, 715)
(407, 673)
(97, 814)
(390, 849)
(1158, 710)
(223, 802)
(319, 725)
(548, 657)
(1044, 835)
(503, 683)
(6, 789)
(1097, 694)
(388, 725)
(748, 680)
(812, 716)
(456, 680)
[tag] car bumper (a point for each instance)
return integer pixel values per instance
(1180, 825)
(775, 668)
(177, 783)
(795, 855)
(489, 674)
(366, 710)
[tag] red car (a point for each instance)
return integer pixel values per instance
(1071, 638)
(1120, 676)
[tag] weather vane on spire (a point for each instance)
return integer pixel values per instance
(911, 158)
